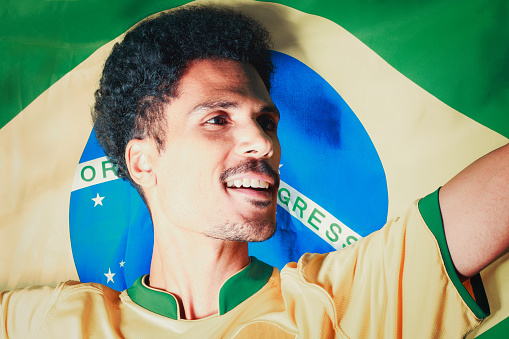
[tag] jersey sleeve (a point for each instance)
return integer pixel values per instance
(398, 282)
(474, 296)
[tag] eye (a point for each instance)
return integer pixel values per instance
(218, 120)
(267, 123)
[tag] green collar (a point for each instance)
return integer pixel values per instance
(234, 291)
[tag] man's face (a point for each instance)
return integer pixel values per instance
(221, 134)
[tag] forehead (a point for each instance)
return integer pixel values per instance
(212, 79)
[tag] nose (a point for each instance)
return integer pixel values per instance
(253, 142)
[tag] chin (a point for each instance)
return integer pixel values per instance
(245, 231)
(263, 234)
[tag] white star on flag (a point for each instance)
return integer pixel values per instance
(279, 169)
(109, 275)
(122, 263)
(98, 200)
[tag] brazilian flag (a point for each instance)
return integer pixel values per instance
(381, 102)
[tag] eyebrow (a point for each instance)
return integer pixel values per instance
(225, 104)
(271, 109)
(212, 105)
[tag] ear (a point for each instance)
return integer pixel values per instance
(140, 156)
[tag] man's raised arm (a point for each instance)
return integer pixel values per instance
(475, 211)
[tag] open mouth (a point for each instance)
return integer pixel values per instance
(258, 192)
(259, 185)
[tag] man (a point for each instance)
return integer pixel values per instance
(184, 111)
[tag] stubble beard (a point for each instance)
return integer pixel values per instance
(255, 230)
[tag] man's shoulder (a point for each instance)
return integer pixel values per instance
(43, 310)
(366, 256)
(64, 290)
(76, 290)
(76, 286)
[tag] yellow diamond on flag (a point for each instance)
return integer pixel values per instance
(421, 142)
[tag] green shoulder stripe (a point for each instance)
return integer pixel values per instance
(430, 211)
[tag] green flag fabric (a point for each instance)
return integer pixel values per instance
(427, 81)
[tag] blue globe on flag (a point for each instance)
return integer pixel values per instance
(333, 188)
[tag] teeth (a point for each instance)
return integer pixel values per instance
(246, 182)
(254, 183)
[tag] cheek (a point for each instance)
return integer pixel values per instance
(194, 165)
(182, 170)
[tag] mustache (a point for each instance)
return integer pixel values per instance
(252, 165)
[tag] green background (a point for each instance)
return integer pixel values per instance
(457, 51)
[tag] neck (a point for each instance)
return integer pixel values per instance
(194, 268)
